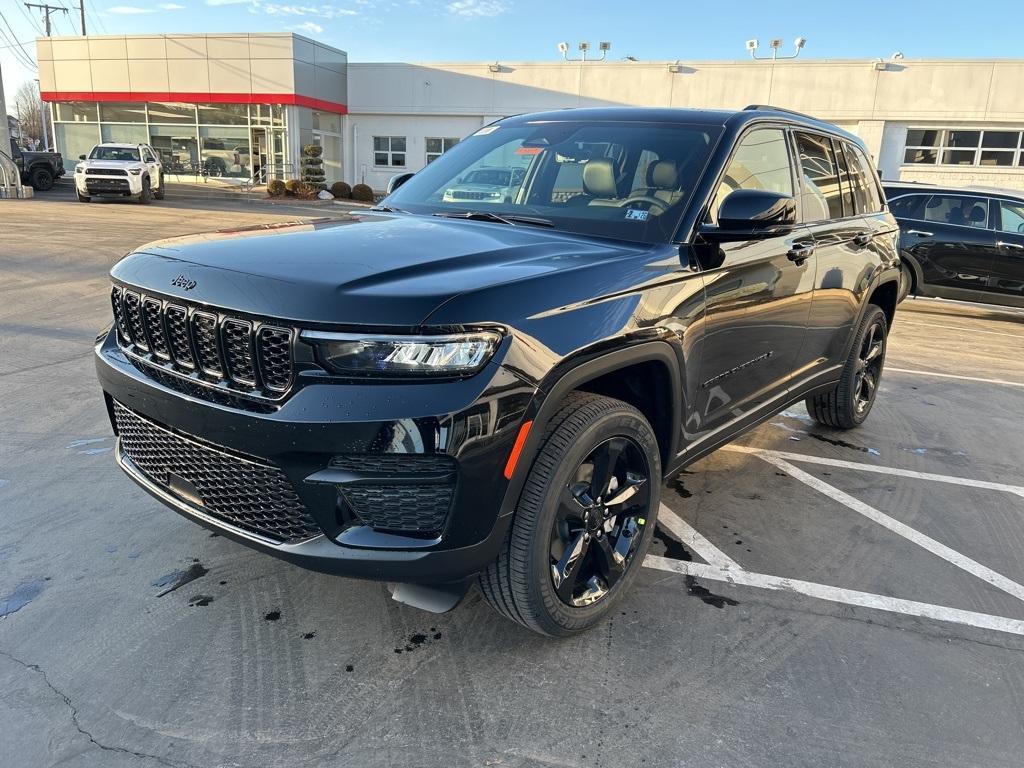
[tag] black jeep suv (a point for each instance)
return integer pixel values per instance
(440, 393)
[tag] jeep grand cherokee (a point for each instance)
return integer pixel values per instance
(441, 394)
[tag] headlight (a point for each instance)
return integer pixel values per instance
(454, 355)
(79, 169)
(134, 171)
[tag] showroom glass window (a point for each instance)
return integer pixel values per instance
(963, 146)
(389, 151)
(820, 194)
(761, 161)
(437, 147)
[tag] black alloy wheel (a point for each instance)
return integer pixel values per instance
(600, 514)
(869, 367)
(41, 179)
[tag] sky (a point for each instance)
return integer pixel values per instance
(528, 30)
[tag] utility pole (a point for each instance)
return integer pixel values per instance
(47, 10)
(81, 12)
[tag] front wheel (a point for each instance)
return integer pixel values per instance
(849, 403)
(584, 521)
(82, 198)
(145, 195)
(158, 193)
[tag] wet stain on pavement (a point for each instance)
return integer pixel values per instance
(274, 615)
(177, 579)
(22, 595)
(417, 641)
(679, 488)
(349, 668)
(707, 596)
(201, 600)
(843, 444)
(309, 635)
(671, 547)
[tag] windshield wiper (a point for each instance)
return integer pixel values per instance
(386, 209)
(510, 219)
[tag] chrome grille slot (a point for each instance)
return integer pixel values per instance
(153, 317)
(133, 318)
(275, 357)
(204, 331)
(204, 352)
(178, 337)
(238, 354)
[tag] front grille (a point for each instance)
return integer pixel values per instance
(245, 494)
(97, 186)
(417, 508)
(105, 172)
(207, 348)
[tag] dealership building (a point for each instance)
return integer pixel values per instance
(235, 105)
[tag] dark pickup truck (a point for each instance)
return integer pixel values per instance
(38, 169)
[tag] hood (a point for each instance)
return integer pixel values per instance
(119, 164)
(384, 270)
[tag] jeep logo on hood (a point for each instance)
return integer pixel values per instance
(183, 282)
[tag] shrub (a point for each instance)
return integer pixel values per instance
(276, 188)
(341, 190)
(313, 166)
(290, 185)
(363, 193)
(306, 191)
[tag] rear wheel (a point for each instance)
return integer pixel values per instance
(849, 403)
(906, 281)
(584, 520)
(41, 179)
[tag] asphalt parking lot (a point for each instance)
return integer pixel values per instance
(813, 598)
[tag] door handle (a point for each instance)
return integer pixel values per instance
(1004, 244)
(919, 232)
(862, 238)
(800, 252)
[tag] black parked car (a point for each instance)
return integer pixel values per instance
(38, 169)
(960, 243)
(440, 394)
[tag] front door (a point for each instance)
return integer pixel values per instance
(952, 241)
(758, 296)
(1005, 284)
(259, 150)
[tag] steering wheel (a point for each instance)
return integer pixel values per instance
(649, 199)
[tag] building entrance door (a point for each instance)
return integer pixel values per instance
(260, 166)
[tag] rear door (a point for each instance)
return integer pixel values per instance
(839, 201)
(950, 237)
(758, 295)
(1006, 281)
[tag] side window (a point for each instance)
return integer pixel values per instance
(820, 195)
(865, 189)
(842, 160)
(761, 161)
(1011, 216)
(960, 210)
(908, 206)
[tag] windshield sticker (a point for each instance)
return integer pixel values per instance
(485, 130)
(635, 214)
(529, 150)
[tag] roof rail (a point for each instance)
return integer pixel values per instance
(771, 108)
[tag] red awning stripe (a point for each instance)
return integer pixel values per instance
(198, 98)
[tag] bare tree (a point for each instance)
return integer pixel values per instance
(29, 111)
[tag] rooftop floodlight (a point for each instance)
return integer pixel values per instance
(563, 48)
(584, 46)
(495, 67)
(775, 42)
(752, 45)
(897, 56)
(604, 46)
(799, 43)
(776, 45)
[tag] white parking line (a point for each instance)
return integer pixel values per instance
(837, 594)
(953, 479)
(694, 540)
(916, 537)
(1019, 336)
(1001, 382)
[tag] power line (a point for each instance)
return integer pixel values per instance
(31, 19)
(19, 52)
(47, 10)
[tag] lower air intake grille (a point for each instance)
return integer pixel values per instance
(249, 495)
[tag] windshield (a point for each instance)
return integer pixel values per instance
(627, 180)
(127, 154)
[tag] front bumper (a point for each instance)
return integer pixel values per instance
(474, 421)
(92, 185)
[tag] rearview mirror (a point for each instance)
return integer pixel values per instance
(753, 213)
(396, 181)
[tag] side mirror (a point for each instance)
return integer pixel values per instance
(81, 157)
(396, 181)
(751, 213)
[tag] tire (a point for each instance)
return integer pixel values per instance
(520, 584)
(82, 198)
(158, 194)
(906, 282)
(145, 195)
(849, 403)
(41, 179)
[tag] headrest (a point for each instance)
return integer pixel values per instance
(977, 213)
(599, 178)
(663, 174)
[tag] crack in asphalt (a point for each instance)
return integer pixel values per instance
(73, 711)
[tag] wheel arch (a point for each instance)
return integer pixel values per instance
(885, 295)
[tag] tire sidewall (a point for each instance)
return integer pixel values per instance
(146, 193)
(562, 619)
(42, 179)
(873, 315)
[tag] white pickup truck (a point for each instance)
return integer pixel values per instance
(120, 170)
